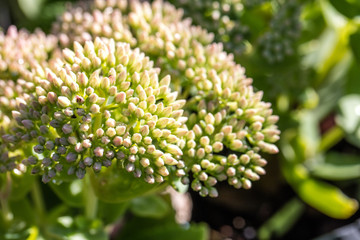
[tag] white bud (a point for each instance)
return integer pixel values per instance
(86, 143)
(163, 171)
(231, 171)
(64, 101)
(137, 137)
(52, 97)
(173, 149)
(118, 141)
(120, 130)
(95, 108)
(110, 132)
(145, 162)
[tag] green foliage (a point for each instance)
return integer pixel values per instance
(69, 192)
(337, 166)
(149, 207)
(117, 185)
(163, 229)
(349, 117)
(283, 220)
(305, 55)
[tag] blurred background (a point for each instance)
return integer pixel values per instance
(305, 56)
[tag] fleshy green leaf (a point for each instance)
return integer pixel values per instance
(283, 220)
(352, 83)
(149, 206)
(326, 198)
(21, 185)
(354, 44)
(25, 212)
(348, 8)
(115, 185)
(165, 229)
(69, 192)
(77, 229)
(110, 212)
(338, 167)
(349, 117)
(17, 230)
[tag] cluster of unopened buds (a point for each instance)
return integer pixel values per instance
(132, 86)
(222, 17)
(285, 28)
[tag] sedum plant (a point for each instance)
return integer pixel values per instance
(109, 104)
(228, 123)
(134, 98)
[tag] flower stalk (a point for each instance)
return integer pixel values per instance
(90, 199)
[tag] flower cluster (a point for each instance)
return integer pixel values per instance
(21, 55)
(8, 159)
(223, 18)
(228, 121)
(230, 21)
(21, 51)
(100, 103)
(278, 42)
(229, 124)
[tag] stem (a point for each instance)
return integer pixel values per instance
(90, 198)
(331, 138)
(8, 216)
(50, 235)
(97, 122)
(37, 197)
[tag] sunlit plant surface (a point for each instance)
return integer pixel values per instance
(122, 102)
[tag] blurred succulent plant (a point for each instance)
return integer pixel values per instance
(278, 42)
(229, 124)
(21, 50)
(231, 23)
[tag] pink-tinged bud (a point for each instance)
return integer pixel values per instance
(110, 132)
(226, 130)
(218, 146)
(99, 152)
(83, 79)
(40, 91)
(118, 141)
(127, 142)
(165, 81)
(95, 108)
(267, 147)
(204, 141)
(120, 130)
(196, 168)
(99, 132)
(93, 98)
(120, 97)
(112, 91)
(203, 176)
(68, 55)
(163, 171)
(246, 184)
(86, 143)
(63, 101)
(52, 97)
(105, 83)
(236, 145)
(197, 130)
